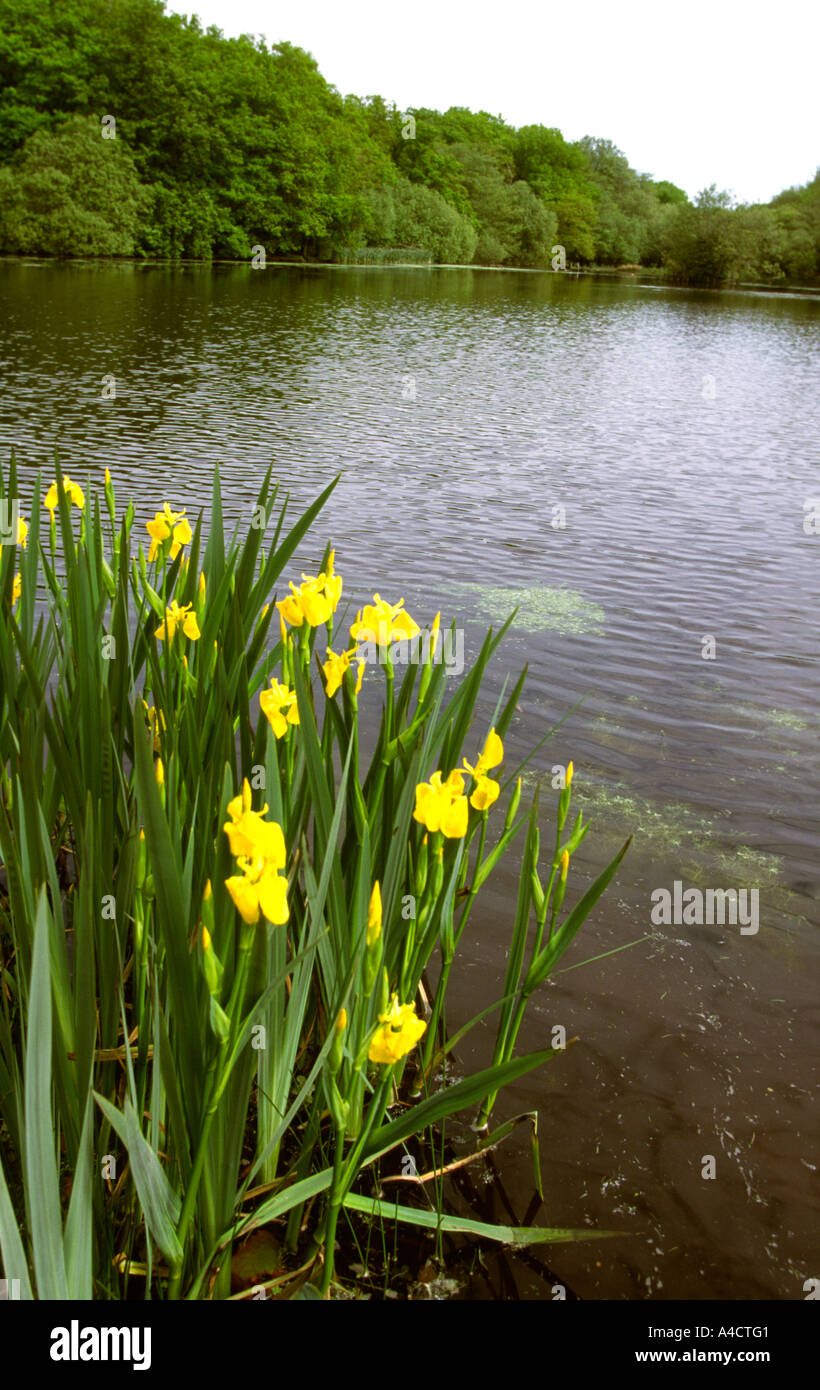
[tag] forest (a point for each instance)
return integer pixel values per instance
(129, 131)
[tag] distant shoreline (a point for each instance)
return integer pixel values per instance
(651, 273)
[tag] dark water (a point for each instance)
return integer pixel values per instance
(679, 433)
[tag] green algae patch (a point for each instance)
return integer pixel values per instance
(673, 833)
(700, 842)
(541, 609)
(774, 718)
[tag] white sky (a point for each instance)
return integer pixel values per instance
(696, 91)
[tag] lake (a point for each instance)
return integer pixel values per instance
(634, 467)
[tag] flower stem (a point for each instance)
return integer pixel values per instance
(215, 1086)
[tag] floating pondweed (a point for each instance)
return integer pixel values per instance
(543, 608)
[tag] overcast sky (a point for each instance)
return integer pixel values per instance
(696, 91)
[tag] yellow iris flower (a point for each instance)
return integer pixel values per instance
(175, 618)
(334, 669)
(383, 623)
(259, 890)
(317, 606)
(290, 608)
(167, 523)
(397, 1035)
(315, 601)
(442, 805)
(249, 834)
(74, 491)
(259, 848)
(329, 582)
(486, 791)
(16, 589)
(273, 704)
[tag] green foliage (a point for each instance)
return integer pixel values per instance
(577, 215)
(667, 192)
(427, 159)
(240, 145)
(550, 165)
(424, 218)
(627, 204)
(798, 216)
(700, 247)
(71, 192)
(514, 226)
(799, 249)
(224, 144)
(714, 242)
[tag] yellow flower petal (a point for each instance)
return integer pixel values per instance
(485, 794)
(374, 915)
(427, 807)
(454, 819)
(72, 491)
(492, 754)
(383, 623)
(334, 669)
(270, 842)
(398, 1033)
(273, 897)
(158, 528)
(291, 610)
(275, 702)
(245, 896)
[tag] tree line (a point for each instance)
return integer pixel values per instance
(128, 131)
